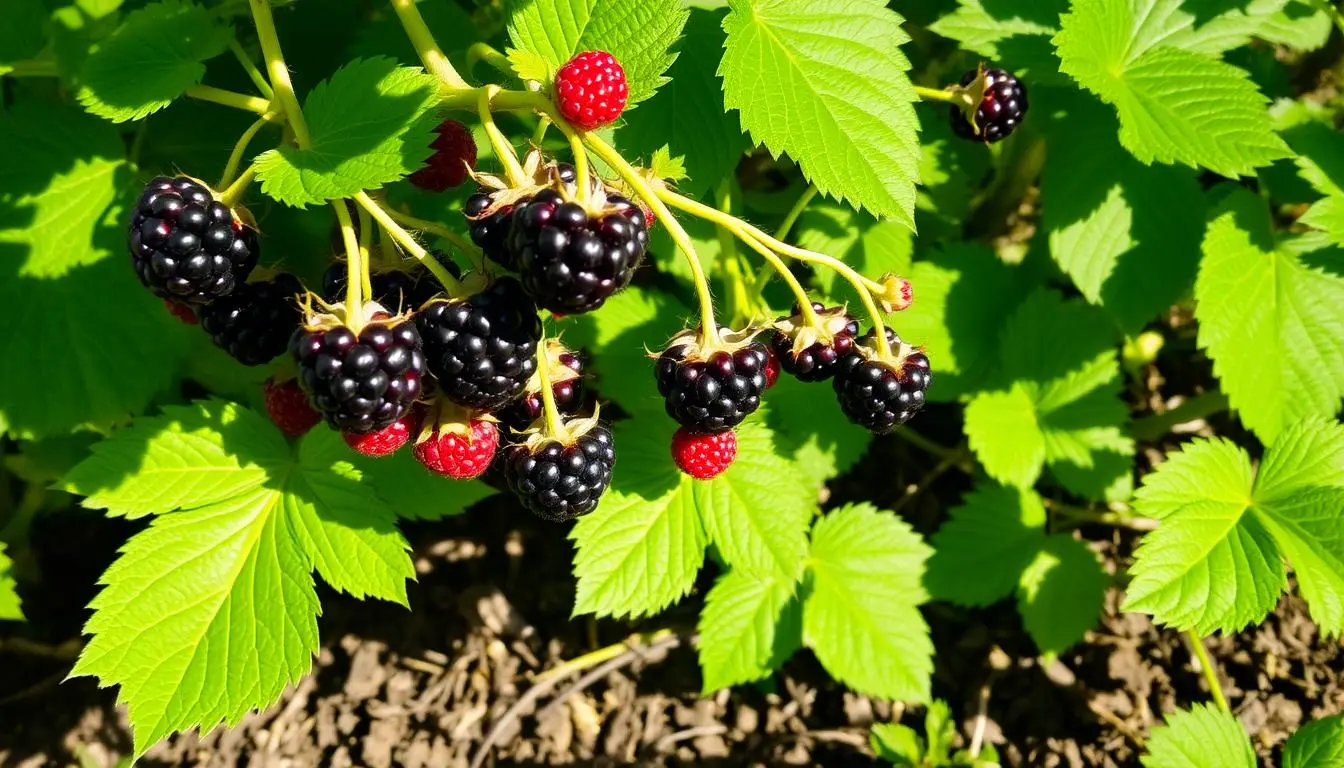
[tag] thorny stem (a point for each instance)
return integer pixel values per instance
(1209, 671)
(354, 267)
(440, 231)
(403, 238)
(245, 61)
(365, 235)
(497, 139)
(935, 94)
(234, 192)
(555, 426)
(423, 40)
(709, 330)
(487, 53)
(279, 72)
(229, 98)
(236, 156)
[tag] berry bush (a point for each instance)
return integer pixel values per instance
(279, 274)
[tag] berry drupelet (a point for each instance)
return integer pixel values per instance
(559, 480)
(187, 246)
(998, 113)
(880, 395)
(254, 323)
(712, 392)
(460, 451)
(811, 352)
(360, 382)
(703, 456)
(591, 89)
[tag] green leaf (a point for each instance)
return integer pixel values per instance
(1128, 234)
(152, 58)
(1327, 215)
(10, 606)
(897, 744)
(558, 29)
(861, 615)
(1003, 431)
(24, 31)
(826, 82)
(686, 114)
(1261, 301)
(631, 323)
(1015, 36)
(813, 431)
(1175, 105)
(371, 123)
(1204, 737)
(414, 493)
(981, 552)
(641, 549)
(757, 512)
(871, 247)
(530, 66)
(64, 281)
(1061, 593)
(1318, 744)
(749, 626)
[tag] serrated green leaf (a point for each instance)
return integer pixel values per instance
(631, 323)
(1204, 737)
(1015, 36)
(861, 616)
(897, 744)
(826, 82)
(641, 549)
(1175, 105)
(1327, 215)
(750, 624)
(1128, 234)
(11, 607)
(810, 428)
(415, 493)
(873, 248)
(371, 123)
(528, 65)
(686, 114)
(1258, 301)
(152, 58)
(1061, 593)
(24, 32)
(1318, 744)
(981, 552)
(60, 225)
(950, 172)
(1003, 431)
(756, 513)
(558, 29)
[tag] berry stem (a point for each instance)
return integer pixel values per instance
(234, 192)
(236, 156)
(403, 238)
(279, 71)
(739, 305)
(503, 149)
(791, 217)
(580, 160)
(555, 426)
(245, 61)
(40, 67)
(229, 98)
(799, 293)
(1198, 407)
(1207, 668)
(422, 39)
(935, 94)
(365, 234)
(709, 329)
(438, 230)
(542, 125)
(354, 274)
(485, 52)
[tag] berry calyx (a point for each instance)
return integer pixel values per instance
(253, 324)
(565, 373)
(454, 157)
(287, 405)
(482, 349)
(810, 351)
(881, 394)
(385, 441)
(457, 445)
(187, 246)
(591, 89)
(703, 456)
(712, 390)
(999, 102)
(559, 479)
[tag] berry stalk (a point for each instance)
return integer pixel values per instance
(936, 94)
(782, 233)
(580, 160)
(438, 230)
(403, 238)
(356, 275)
(234, 192)
(229, 98)
(236, 156)
(799, 292)
(555, 425)
(485, 52)
(365, 235)
(503, 149)
(245, 62)
(1209, 671)
(422, 39)
(278, 71)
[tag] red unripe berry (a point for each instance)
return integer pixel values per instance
(460, 455)
(591, 90)
(771, 369)
(454, 151)
(287, 405)
(181, 311)
(703, 456)
(387, 440)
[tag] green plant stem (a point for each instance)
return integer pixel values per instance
(236, 156)
(555, 425)
(422, 39)
(709, 330)
(580, 160)
(1206, 667)
(593, 658)
(925, 444)
(355, 271)
(503, 149)
(1076, 516)
(539, 134)
(935, 94)
(245, 62)
(31, 68)
(365, 253)
(799, 293)
(408, 243)
(279, 71)
(234, 192)
(738, 305)
(782, 234)
(1197, 407)
(485, 52)
(438, 230)
(229, 98)
(1023, 163)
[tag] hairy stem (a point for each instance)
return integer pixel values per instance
(354, 266)
(580, 160)
(791, 217)
(236, 156)
(1207, 668)
(365, 235)
(245, 62)
(31, 68)
(229, 98)
(503, 149)
(422, 39)
(408, 243)
(279, 71)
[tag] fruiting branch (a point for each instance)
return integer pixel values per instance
(422, 39)
(229, 98)
(580, 160)
(450, 284)
(555, 425)
(438, 230)
(234, 192)
(279, 71)
(355, 269)
(936, 94)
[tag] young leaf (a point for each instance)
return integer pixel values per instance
(897, 744)
(1204, 737)
(1319, 744)
(65, 282)
(1061, 593)
(826, 82)
(861, 615)
(1175, 105)
(749, 626)
(558, 29)
(640, 550)
(870, 246)
(981, 552)
(371, 123)
(152, 58)
(1260, 301)
(10, 606)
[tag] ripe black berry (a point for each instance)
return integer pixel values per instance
(711, 395)
(572, 262)
(483, 349)
(360, 383)
(998, 114)
(560, 482)
(879, 396)
(254, 323)
(489, 232)
(567, 391)
(187, 246)
(816, 361)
